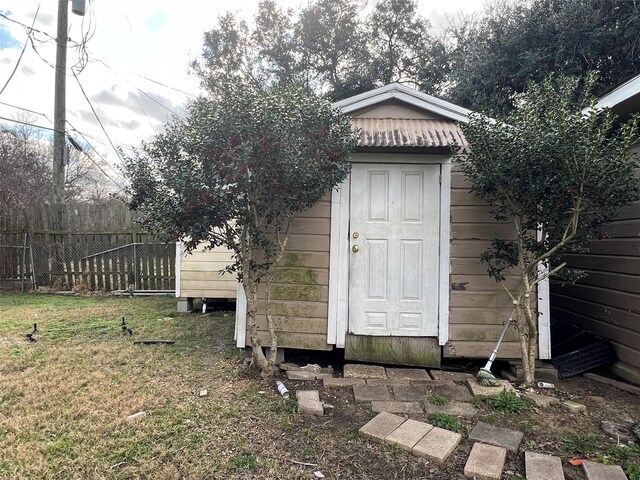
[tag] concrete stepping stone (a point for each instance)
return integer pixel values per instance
(459, 393)
(437, 445)
(408, 374)
(309, 402)
(381, 426)
(396, 407)
(433, 383)
(342, 382)
(456, 409)
(542, 467)
(485, 461)
(301, 375)
(501, 437)
(413, 393)
(460, 377)
(599, 471)
(541, 401)
(574, 407)
(480, 391)
(408, 434)
(388, 382)
(367, 393)
(352, 370)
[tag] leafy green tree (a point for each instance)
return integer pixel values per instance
(494, 55)
(558, 173)
(234, 172)
(329, 46)
(401, 46)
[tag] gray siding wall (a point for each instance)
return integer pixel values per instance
(607, 301)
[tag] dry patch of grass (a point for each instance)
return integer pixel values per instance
(63, 399)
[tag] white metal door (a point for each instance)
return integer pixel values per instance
(394, 242)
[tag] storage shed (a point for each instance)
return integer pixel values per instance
(607, 301)
(387, 267)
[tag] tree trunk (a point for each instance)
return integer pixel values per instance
(273, 350)
(528, 330)
(258, 358)
(251, 293)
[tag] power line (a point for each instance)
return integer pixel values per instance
(85, 153)
(30, 124)
(166, 86)
(96, 114)
(83, 134)
(24, 47)
(141, 91)
(84, 137)
(76, 44)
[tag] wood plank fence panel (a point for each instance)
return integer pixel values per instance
(95, 251)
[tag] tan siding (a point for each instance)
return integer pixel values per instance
(200, 275)
(300, 290)
(480, 349)
(607, 301)
(392, 109)
(478, 306)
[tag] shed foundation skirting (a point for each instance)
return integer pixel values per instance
(413, 351)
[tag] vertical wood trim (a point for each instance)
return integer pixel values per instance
(445, 263)
(241, 317)
(544, 312)
(178, 267)
(338, 307)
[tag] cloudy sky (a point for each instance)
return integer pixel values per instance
(138, 61)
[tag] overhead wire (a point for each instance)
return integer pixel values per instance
(42, 127)
(24, 47)
(95, 114)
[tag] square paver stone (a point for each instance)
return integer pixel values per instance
(412, 393)
(599, 471)
(457, 409)
(501, 437)
(303, 395)
(408, 434)
(408, 374)
(541, 401)
(459, 393)
(480, 391)
(543, 467)
(387, 381)
(485, 461)
(454, 376)
(352, 370)
(396, 407)
(310, 407)
(437, 445)
(381, 426)
(342, 382)
(367, 393)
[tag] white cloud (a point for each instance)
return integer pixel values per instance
(143, 38)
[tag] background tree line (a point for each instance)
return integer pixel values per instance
(25, 170)
(481, 61)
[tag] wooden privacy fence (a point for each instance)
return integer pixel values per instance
(105, 252)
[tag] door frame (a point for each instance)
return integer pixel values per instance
(338, 308)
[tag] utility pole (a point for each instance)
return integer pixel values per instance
(59, 112)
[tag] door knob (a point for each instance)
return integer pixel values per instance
(355, 248)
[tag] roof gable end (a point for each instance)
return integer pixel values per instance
(407, 95)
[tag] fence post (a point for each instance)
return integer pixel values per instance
(135, 263)
(34, 283)
(24, 260)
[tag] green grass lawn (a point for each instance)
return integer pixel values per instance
(64, 398)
